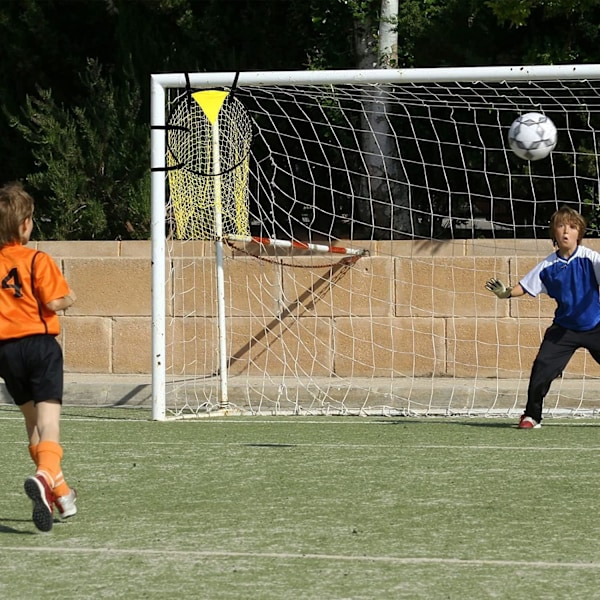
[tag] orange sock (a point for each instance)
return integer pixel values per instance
(60, 486)
(49, 455)
(33, 449)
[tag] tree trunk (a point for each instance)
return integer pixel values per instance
(382, 200)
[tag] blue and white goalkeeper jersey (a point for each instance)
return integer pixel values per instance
(573, 283)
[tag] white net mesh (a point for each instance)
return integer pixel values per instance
(421, 177)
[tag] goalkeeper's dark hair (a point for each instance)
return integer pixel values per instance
(16, 205)
(569, 216)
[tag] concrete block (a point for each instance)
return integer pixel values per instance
(486, 348)
(251, 287)
(79, 249)
(110, 286)
(87, 344)
(386, 347)
(275, 347)
(190, 248)
(509, 247)
(448, 287)
(136, 249)
(132, 345)
(362, 289)
(421, 248)
(192, 347)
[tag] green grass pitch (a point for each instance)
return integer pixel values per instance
(308, 508)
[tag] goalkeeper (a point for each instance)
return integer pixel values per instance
(570, 276)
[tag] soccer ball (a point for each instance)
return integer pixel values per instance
(532, 136)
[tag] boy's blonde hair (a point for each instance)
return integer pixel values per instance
(16, 205)
(570, 217)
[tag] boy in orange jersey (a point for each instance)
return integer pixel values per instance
(31, 362)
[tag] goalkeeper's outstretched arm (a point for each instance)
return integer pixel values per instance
(503, 291)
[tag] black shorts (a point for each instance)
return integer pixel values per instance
(32, 368)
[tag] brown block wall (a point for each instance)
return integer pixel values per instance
(407, 307)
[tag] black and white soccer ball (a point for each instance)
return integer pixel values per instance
(532, 136)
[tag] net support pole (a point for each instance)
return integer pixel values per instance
(224, 398)
(293, 244)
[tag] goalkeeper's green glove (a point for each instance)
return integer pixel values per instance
(496, 286)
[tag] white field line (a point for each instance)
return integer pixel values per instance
(291, 445)
(395, 560)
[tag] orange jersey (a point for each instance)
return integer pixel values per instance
(30, 279)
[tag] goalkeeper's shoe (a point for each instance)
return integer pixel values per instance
(39, 492)
(528, 423)
(66, 504)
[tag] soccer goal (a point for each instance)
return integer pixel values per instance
(321, 239)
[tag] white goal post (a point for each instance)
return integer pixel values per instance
(321, 239)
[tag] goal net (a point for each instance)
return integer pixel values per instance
(321, 240)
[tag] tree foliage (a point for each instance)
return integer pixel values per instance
(89, 177)
(74, 80)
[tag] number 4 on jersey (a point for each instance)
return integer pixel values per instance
(12, 281)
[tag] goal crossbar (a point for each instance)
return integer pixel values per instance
(375, 76)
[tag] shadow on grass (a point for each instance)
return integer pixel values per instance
(490, 424)
(98, 413)
(110, 413)
(7, 529)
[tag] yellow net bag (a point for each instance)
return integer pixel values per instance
(209, 134)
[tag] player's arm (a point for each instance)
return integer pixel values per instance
(51, 288)
(517, 291)
(62, 303)
(503, 291)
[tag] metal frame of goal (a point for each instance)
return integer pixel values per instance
(425, 210)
